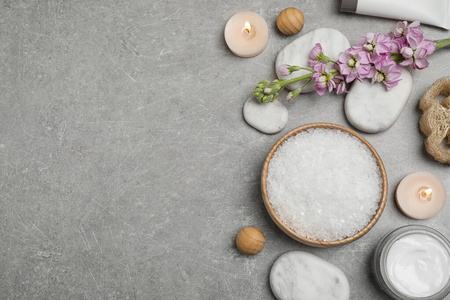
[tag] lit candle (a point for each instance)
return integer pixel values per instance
(420, 195)
(246, 34)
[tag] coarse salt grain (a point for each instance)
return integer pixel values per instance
(324, 184)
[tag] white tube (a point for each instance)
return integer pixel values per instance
(432, 12)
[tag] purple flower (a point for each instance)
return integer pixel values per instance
(293, 94)
(398, 43)
(415, 51)
(284, 70)
(375, 44)
(314, 55)
(287, 69)
(341, 87)
(387, 72)
(403, 29)
(316, 50)
(289, 97)
(410, 47)
(407, 52)
(317, 56)
(354, 64)
(323, 79)
(400, 33)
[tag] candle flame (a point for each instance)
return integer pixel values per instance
(247, 27)
(425, 193)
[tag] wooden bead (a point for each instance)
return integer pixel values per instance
(290, 21)
(250, 240)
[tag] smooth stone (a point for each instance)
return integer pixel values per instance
(297, 53)
(371, 108)
(301, 275)
(266, 117)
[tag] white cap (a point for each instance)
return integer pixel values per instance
(349, 6)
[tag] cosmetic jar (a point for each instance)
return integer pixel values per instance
(413, 262)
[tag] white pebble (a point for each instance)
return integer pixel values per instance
(371, 108)
(324, 184)
(266, 117)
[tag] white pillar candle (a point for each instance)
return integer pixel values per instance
(246, 34)
(421, 195)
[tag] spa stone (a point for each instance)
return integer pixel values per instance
(371, 108)
(301, 275)
(297, 53)
(266, 117)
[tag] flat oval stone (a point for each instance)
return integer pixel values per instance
(266, 117)
(297, 53)
(371, 108)
(301, 275)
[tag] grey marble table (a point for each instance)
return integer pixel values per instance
(127, 168)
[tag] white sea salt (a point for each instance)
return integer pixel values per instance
(324, 184)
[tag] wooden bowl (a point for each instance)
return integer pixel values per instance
(293, 234)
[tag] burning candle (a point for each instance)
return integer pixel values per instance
(420, 195)
(246, 34)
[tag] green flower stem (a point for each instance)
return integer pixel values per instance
(307, 69)
(333, 71)
(442, 43)
(284, 83)
(322, 57)
(306, 83)
(267, 91)
(289, 81)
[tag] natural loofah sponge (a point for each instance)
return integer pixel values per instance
(435, 121)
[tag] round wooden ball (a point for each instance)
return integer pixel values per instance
(290, 21)
(250, 240)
